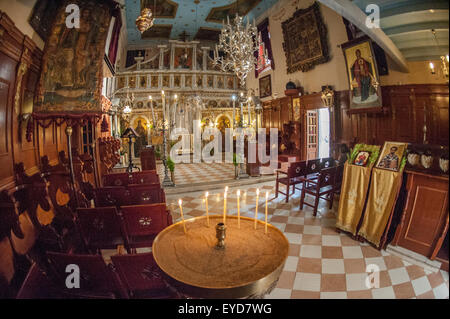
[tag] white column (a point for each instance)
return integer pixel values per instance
(205, 57)
(161, 56)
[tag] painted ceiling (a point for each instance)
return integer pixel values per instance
(408, 23)
(189, 19)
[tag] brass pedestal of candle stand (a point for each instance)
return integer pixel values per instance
(220, 235)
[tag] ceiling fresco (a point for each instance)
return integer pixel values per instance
(199, 19)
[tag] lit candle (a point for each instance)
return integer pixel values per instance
(267, 196)
(174, 122)
(432, 68)
(256, 208)
(238, 193)
(234, 109)
(180, 202)
(225, 204)
(163, 99)
(206, 204)
(248, 110)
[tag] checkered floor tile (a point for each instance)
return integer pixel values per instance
(190, 173)
(322, 263)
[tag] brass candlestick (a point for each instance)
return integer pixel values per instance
(220, 235)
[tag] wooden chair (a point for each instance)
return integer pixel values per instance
(141, 276)
(125, 179)
(143, 222)
(322, 187)
(328, 162)
(32, 286)
(100, 228)
(145, 177)
(117, 179)
(141, 194)
(313, 167)
(97, 280)
(294, 173)
(339, 177)
(110, 196)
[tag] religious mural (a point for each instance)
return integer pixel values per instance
(391, 156)
(183, 58)
(160, 31)
(71, 77)
(140, 126)
(362, 74)
(219, 14)
(208, 34)
(305, 39)
(164, 8)
(265, 86)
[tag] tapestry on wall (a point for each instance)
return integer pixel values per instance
(71, 77)
(305, 40)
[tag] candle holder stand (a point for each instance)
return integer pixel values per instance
(220, 235)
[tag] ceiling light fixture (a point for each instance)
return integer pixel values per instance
(238, 44)
(145, 20)
(444, 60)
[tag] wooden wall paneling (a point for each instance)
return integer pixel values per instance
(7, 80)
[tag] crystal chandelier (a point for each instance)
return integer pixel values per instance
(238, 44)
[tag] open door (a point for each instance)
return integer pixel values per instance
(311, 135)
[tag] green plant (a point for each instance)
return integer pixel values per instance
(157, 153)
(170, 164)
(235, 159)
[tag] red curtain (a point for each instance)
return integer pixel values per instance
(113, 46)
(264, 30)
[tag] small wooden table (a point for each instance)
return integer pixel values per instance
(248, 267)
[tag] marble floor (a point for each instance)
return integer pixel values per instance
(322, 263)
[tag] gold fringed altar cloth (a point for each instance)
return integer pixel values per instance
(353, 196)
(384, 188)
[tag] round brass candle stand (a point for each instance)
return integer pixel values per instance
(247, 266)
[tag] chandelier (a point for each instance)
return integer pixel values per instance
(444, 60)
(238, 44)
(127, 107)
(145, 20)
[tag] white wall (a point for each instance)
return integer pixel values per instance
(330, 73)
(19, 11)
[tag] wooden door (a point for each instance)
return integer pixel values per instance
(311, 135)
(424, 219)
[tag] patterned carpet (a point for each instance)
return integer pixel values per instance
(322, 263)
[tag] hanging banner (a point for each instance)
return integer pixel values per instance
(71, 77)
(384, 187)
(355, 184)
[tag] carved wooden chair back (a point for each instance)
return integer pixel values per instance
(140, 274)
(100, 228)
(143, 222)
(96, 278)
(297, 169)
(141, 194)
(110, 196)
